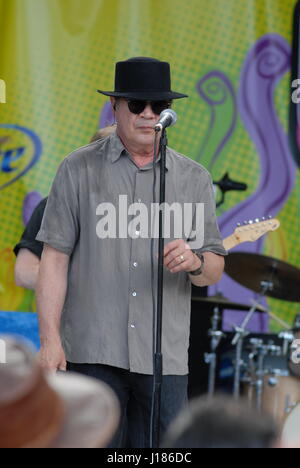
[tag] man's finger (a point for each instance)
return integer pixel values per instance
(171, 246)
(182, 267)
(178, 256)
(187, 261)
(173, 256)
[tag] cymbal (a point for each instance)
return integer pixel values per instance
(251, 270)
(224, 303)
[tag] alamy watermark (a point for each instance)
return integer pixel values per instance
(2, 352)
(138, 220)
(296, 93)
(295, 357)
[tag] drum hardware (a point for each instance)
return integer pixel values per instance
(294, 351)
(271, 389)
(293, 366)
(273, 316)
(272, 382)
(288, 338)
(252, 365)
(274, 350)
(241, 333)
(259, 350)
(281, 322)
(219, 302)
(275, 390)
(211, 358)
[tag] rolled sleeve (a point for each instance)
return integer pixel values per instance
(212, 238)
(60, 225)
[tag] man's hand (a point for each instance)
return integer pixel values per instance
(178, 256)
(52, 357)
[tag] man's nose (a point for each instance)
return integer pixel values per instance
(148, 112)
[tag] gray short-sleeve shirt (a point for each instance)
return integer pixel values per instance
(107, 315)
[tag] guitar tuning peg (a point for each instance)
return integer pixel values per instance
(250, 221)
(238, 225)
(257, 220)
(263, 218)
(270, 216)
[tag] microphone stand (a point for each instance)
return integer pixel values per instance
(158, 358)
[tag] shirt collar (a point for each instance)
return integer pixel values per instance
(117, 149)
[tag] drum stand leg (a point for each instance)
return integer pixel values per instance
(211, 358)
(238, 361)
(260, 381)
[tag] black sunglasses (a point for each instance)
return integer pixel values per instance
(136, 107)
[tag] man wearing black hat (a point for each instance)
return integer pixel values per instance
(94, 291)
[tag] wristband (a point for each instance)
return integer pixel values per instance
(199, 270)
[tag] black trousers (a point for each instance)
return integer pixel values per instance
(135, 395)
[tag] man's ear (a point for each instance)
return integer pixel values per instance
(113, 103)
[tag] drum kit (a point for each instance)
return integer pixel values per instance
(267, 373)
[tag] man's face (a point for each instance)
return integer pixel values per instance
(135, 130)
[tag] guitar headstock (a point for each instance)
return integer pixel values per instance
(251, 231)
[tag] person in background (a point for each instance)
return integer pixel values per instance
(29, 250)
(221, 422)
(40, 410)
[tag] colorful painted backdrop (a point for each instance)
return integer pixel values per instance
(232, 57)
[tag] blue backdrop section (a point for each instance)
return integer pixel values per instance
(21, 324)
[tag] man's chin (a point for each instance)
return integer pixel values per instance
(146, 137)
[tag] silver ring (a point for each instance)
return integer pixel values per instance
(182, 258)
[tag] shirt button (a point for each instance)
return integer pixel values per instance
(134, 294)
(135, 264)
(139, 200)
(132, 326)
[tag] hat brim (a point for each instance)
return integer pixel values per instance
(91, 411)
(151, 96)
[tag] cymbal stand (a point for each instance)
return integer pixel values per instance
(240, 335)
(262, 351)
(211, 358)
(287, 338)
(255, 343)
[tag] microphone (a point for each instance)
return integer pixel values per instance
(167, 118)
(226, 184)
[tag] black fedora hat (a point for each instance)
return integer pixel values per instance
(143, 78)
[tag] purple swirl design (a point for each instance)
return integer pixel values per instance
(30, 202)
(266, 63)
